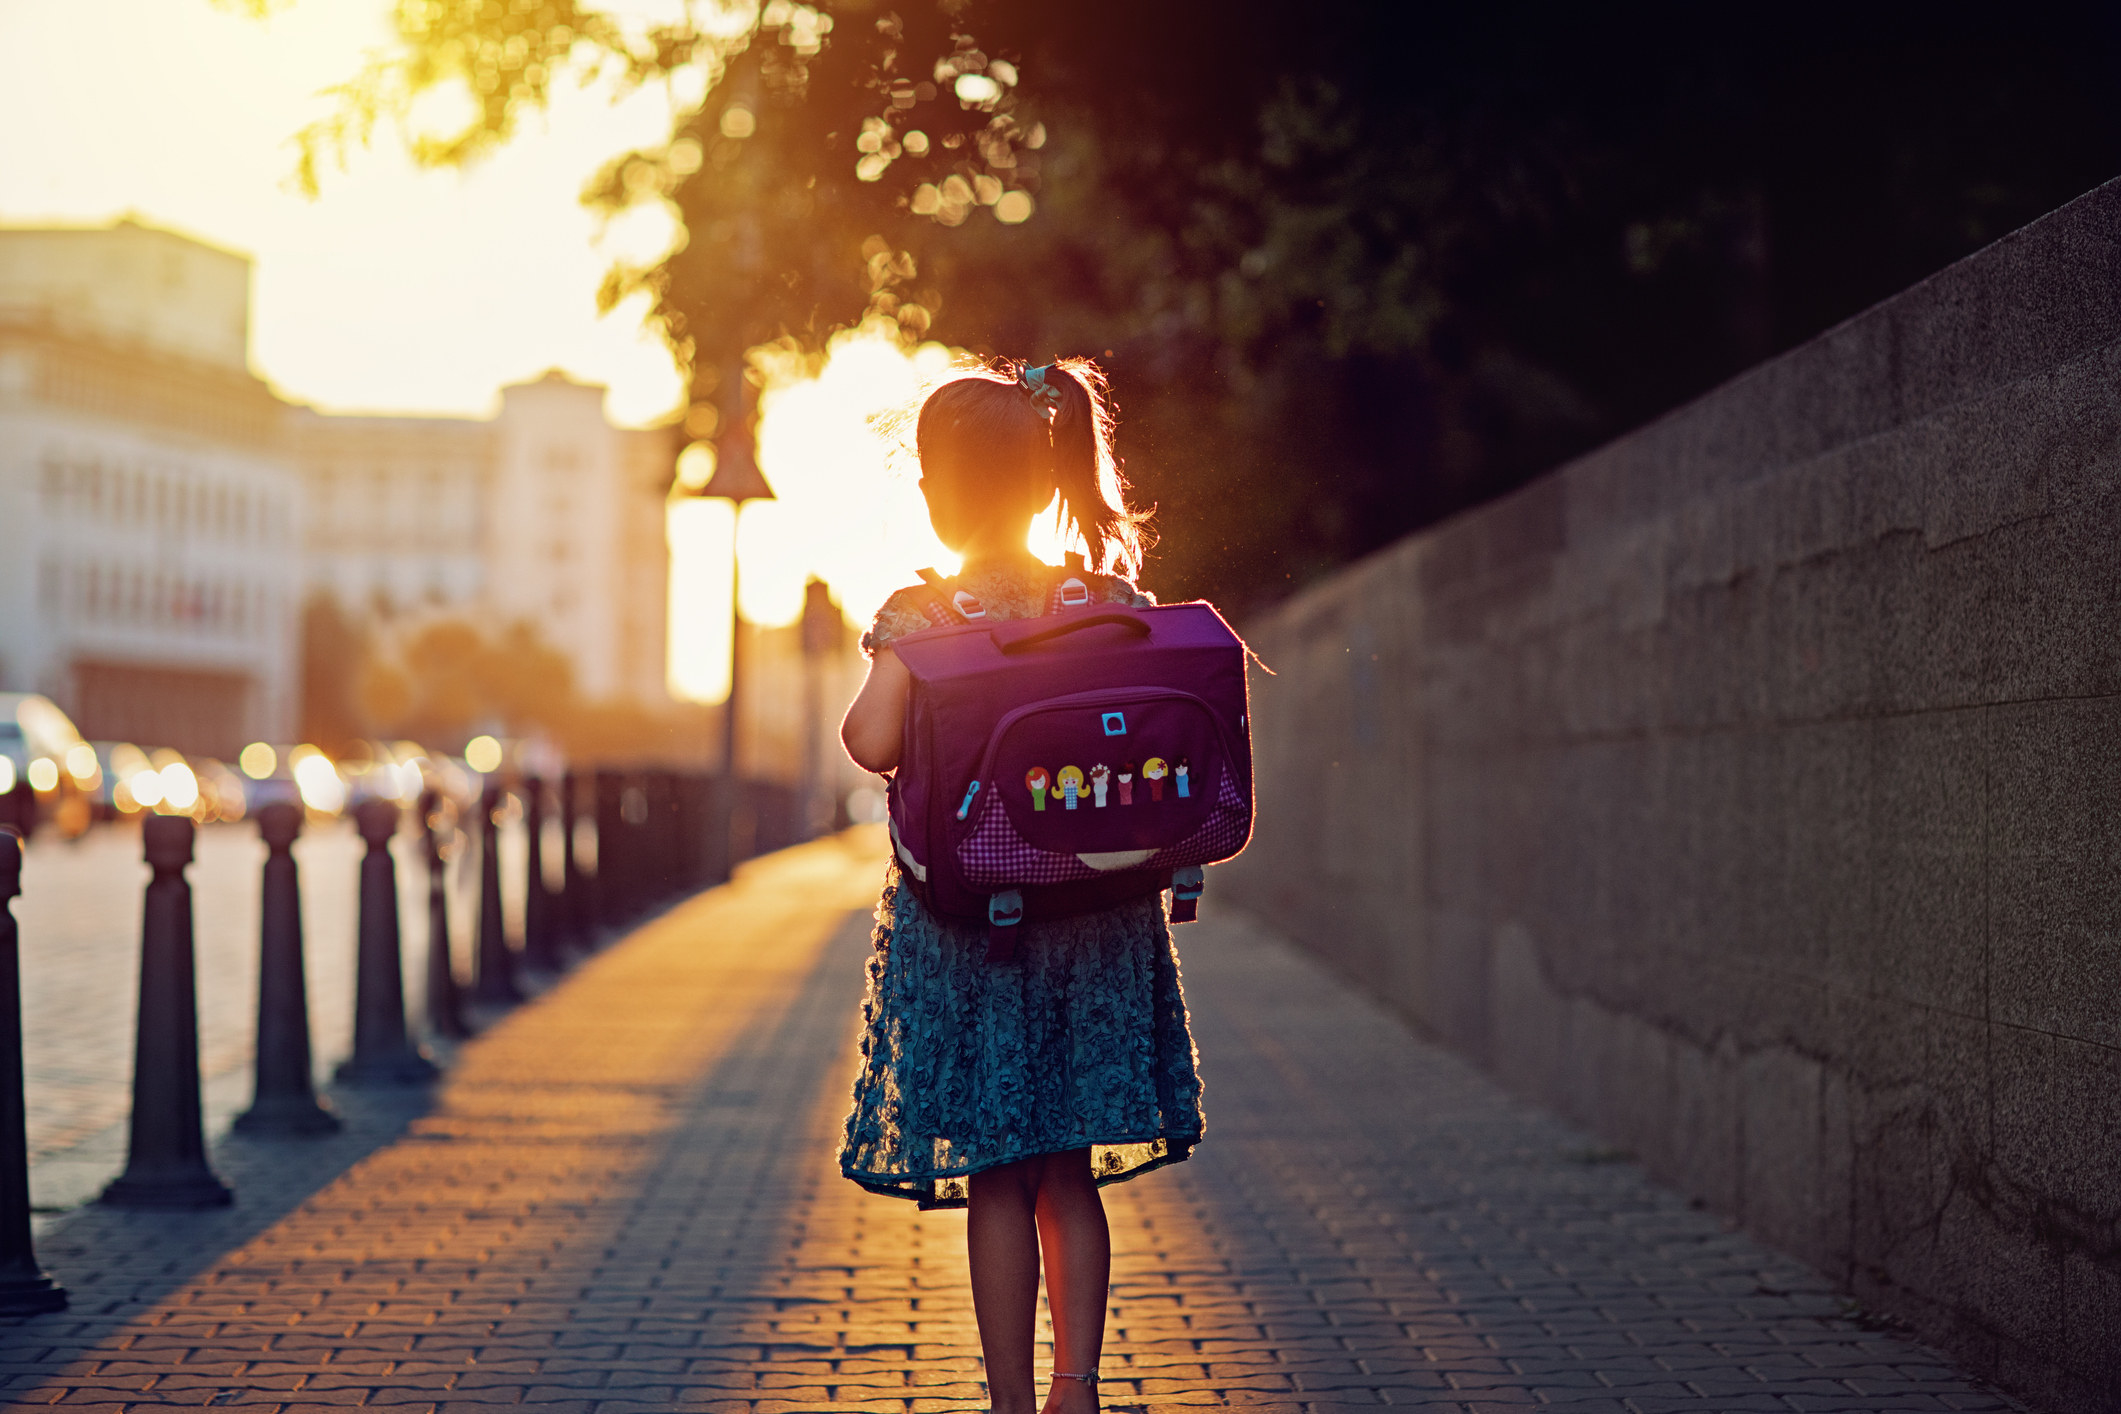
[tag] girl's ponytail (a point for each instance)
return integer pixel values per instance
(1092, 491)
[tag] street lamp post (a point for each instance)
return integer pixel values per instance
(736, 479)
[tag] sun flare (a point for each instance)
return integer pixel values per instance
(847, 508)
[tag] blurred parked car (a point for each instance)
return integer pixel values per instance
(47, 772)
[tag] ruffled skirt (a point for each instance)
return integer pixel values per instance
(1081, 1042)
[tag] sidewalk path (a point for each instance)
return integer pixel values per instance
(624, 1199)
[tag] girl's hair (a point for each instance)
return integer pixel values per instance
(988, 423)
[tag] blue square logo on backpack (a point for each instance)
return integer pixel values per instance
(1115, 724)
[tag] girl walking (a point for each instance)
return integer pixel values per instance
(1017, 1090)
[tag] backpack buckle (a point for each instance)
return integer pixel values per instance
(1186, 887)
(1005, 911)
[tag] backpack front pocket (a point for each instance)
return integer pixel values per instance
(1080, 786)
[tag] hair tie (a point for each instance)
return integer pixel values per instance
(1045, 393)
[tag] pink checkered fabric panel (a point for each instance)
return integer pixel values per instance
(1219, 838)
(995, 856)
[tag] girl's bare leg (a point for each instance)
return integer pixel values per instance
(1078, 1247)
(1002, 1241)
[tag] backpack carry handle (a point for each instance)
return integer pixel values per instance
(1027, 633)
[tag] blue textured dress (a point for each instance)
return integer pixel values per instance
(1081, 1042)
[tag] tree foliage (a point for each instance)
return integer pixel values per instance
(443, 681)
(1352, 268)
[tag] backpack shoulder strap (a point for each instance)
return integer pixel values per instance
(1074, 587)
(944, 606)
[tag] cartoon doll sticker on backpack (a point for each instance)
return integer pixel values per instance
(1182, 774)
(1070, 781)
(1154, 771)
(1100, 782)
(1037, 779)
(1126, 783)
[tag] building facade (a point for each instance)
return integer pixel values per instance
(151, 573)
(164, 516)
(576, 543)
(397, 510)
(544, 514)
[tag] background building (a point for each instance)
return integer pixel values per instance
(575, 539)
(397, 509)
(166, 515)
(545, 515)
(151, 566)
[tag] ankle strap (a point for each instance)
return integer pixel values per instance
(1086, 1379)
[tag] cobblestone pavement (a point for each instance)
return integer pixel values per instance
(623, 1199)
(80, 920)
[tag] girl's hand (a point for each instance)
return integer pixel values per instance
(875, 725)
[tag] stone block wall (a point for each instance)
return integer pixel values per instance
(1750, 791)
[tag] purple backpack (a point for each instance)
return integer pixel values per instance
(1070, 762)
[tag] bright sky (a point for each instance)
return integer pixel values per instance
(403, 290)
(399, 290)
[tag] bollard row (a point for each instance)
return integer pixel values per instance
(657, 836)
(664, 834)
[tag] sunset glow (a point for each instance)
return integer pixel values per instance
(843, 511)
(847, 507)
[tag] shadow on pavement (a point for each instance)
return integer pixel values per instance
(116, 1263)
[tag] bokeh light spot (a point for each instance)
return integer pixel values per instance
(258, 760)
(318, 781)
(180, 788)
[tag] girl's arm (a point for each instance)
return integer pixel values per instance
(875, 723)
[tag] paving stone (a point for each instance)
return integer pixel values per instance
(623, 1199)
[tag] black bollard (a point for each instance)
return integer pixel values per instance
(721, 816)
(383, 1054)
(285, 1099)
(608, 800)
(165, 1165)
(541, 950)
(495, 982)
(667, 837)
(445, 1005)
(25, 1289)
(616, 861)
(690, 831)
(574, 910)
